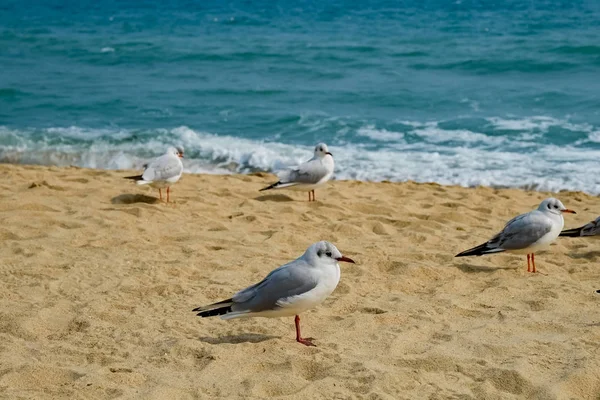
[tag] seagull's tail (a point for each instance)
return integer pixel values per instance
(575, 232)
(211, 310)
(480, 250)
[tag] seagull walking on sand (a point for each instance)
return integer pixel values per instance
(288, 290)
(526, 233)
(591, 229)
(308, 175)
(162, 172)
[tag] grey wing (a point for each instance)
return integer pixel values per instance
(522, 231)
(591, 229)
(163, 168)
(289, 280)
(310, 172)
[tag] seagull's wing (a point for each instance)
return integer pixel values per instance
(162, 168)
(522, 231)
(310, 172)
(591, 229)
(287, 281)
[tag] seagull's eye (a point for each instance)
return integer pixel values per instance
(549, 206)
(328, 254)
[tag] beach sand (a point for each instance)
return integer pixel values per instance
(98, 280)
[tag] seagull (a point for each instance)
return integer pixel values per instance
(591, 229)
(526, 233)
(162, 172)
(308, 175)
(288, 290)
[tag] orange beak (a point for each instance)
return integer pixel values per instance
(569, 211)
(180, 155)
(346, 259)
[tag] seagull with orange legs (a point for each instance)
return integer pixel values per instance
(308, 175)
(162, 172)
(526, 233)
(288, 290)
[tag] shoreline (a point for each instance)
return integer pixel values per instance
(273, 175)
(99, 280)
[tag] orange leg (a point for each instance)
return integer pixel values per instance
(299, 339)
(533, 261)
(313, 192)
(528, 262)
(168, 190)
(160, 194)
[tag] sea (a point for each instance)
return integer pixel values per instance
(496, 93)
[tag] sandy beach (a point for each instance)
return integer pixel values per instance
(98, 280)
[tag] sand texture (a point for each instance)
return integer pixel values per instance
(98, 280)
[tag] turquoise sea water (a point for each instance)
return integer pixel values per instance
(456, 92)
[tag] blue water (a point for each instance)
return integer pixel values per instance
(458, 92)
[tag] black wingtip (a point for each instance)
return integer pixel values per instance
(214, 309)
(214, 312)
(571, 233)
(134, 177)
(475, 251)
(598, 291)
(269, 187)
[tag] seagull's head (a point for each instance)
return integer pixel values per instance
(325, 253)
(176, 151)
(554, 206)
(321, 150)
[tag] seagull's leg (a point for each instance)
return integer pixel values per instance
(309, 195)
(533, 261)
(313, 192)
(528, 263)
(168, 190)
(160, 194)
(299, 339)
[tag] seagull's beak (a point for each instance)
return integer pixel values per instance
(329, 154)
(566, 210)
(180, 155)
(345, 259)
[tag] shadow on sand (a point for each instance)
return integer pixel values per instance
(134, 198)
(471, 269)
(235, 339)
(274, 197)
(590, 255)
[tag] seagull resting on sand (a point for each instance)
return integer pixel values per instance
(162, 172)
(526, 233)
(308, 175)
(288, 290)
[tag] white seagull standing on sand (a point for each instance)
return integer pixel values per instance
(162, 172)
(308, 175)
(288, 290)
(526, 233)
(591, 229)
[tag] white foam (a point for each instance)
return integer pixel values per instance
(475, 158)
(107, 50)
(379, 134)
(536, 123)
(431, 133)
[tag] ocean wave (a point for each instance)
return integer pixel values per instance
(537, 123)
(379, 134)
(485, 66)
(476, 158)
